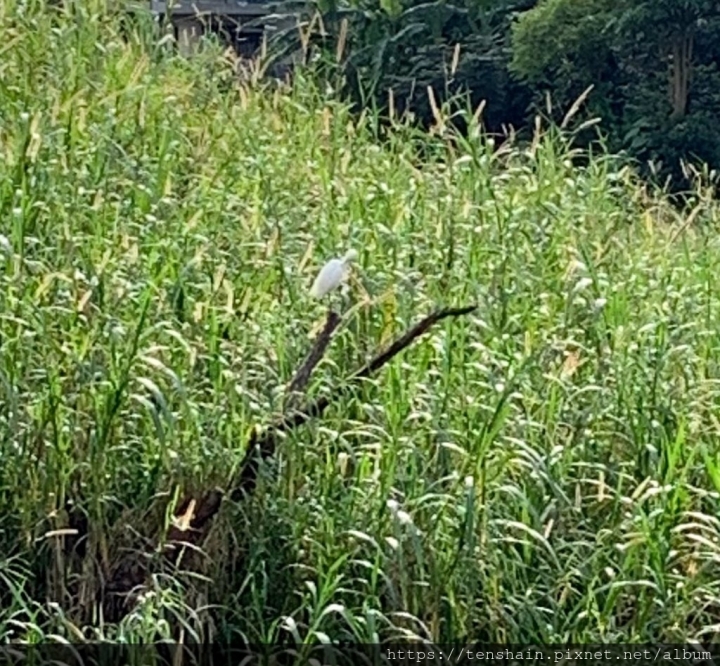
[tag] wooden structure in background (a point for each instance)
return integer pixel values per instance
(240, 21)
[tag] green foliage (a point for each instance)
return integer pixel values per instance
(552, 462)
(653, 66)
(406, 47)
(561, 38)
(660, 19)
(623, 49)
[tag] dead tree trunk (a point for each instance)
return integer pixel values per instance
(680, 72)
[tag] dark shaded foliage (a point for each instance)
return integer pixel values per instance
(654, 66)
(390, 53)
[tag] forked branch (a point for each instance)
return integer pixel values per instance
(194, 515)
(262, 446)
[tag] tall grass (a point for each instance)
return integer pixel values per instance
(547, 470)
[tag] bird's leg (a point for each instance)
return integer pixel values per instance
(339, 306)
(343, 297)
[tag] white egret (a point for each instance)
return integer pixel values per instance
(332, 274)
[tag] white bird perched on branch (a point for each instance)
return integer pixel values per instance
(332, 274)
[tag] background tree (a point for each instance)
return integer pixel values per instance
(394, 49)
(656, 91)
(654, 65)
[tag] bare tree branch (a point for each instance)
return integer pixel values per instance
(194, 516)
(302, 376)
(262, 446)
(407, 339)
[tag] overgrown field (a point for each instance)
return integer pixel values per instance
(544, 469)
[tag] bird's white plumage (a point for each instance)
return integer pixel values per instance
(332, 274)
